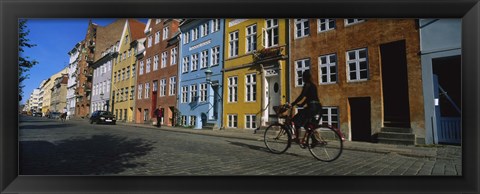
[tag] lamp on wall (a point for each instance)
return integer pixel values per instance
(208, 77)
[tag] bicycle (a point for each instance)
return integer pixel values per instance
(324, 142)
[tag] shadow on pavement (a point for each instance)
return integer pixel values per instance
(98, 155)
(258, 148)
(48, 126)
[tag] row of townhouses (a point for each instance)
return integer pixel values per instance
(379, 80)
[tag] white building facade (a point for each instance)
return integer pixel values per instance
(72, 79)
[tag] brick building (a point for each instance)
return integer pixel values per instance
(157, 71)
(85, 72)
(368, 73)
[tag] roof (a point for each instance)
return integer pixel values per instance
(136, 29)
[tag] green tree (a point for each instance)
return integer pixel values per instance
(24, 62)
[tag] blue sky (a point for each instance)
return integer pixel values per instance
(54, 39)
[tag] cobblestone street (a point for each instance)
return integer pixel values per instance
(50, 147)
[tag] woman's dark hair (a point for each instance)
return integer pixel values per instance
(307, 77)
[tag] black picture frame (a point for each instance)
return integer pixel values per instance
(11, 11)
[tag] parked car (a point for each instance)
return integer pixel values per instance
(101, 116)
(37, 114)
(54, 115)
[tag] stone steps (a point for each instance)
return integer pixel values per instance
(396, 135)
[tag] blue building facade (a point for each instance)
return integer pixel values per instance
(201, 53)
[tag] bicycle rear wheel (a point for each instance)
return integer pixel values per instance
(276, 138)
(325, 144)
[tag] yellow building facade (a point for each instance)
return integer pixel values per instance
(123, 79)
(47, 95)
(255, 71)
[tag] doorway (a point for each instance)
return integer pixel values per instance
(395, 84)
(272, 90)
(360, 119)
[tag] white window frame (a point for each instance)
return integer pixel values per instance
(186, 38)
(233, 89)
(184, 120)
(172, 89)
(140, 90)
(328, 116)
(204, 59)
(250, 121)
(149, 41)
(215, 25)
(194, 60)
(155, 63)
(164, 59)
(299, 70)
(232, 121)
(215, 56)
(205, 29)
(193, 92)
(157, 37)
(233, 44)
(163, 87)
(132, 92)
(357, 60)
(165, 33)
(303, 28)
(147, 90)
(193, 120)
(203, 92)
(140, 71)
(250, 88)
(184, 94)
(194, 34)
(186, 61)
(173, 56)
(269, 33)
(148, 64)
(155, 85)
(251, 38)
(353, 22)
(328, 69)
(328, 25)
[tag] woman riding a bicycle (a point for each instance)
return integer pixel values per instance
(310, 97)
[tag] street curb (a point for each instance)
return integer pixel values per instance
(367, 147)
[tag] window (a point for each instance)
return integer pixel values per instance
(173, 56)
(194, 34)
(330, 116)
(193, 120)
(203, 93)
(271, 33)
(185, 64)
(300, 67)
(194, 62)
(145, 114)
(232, 89)
(302, 28)
(124, 56)
(204, 31)
(215, 58)
(155, 63)
(186, 37)
(157, 37)
(184, 94)
(352, 21)
(165, 33)
(328, 69)
(163, 87)
(108, 86)
(172, 87)
(155, 85)
(128, 73)
(204, 59)
(132, 91)
(115, 77)
(193, 92)
(357, 65)
(184, 120)
(164, 59)
(126, 39)
(149, 43)
(133, 70)
(251, 88)
(250, 122)
(233, 44)
(147, 67)
(147, 90)
(326, 24)
(232, 121)
(140, 86)
(158, 21)
(141, 68)
(215, 25)
(123, 74)
(251, 38)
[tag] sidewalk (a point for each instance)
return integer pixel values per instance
(434, 151)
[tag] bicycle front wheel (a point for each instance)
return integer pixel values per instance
(325, 144)
(276, 138)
